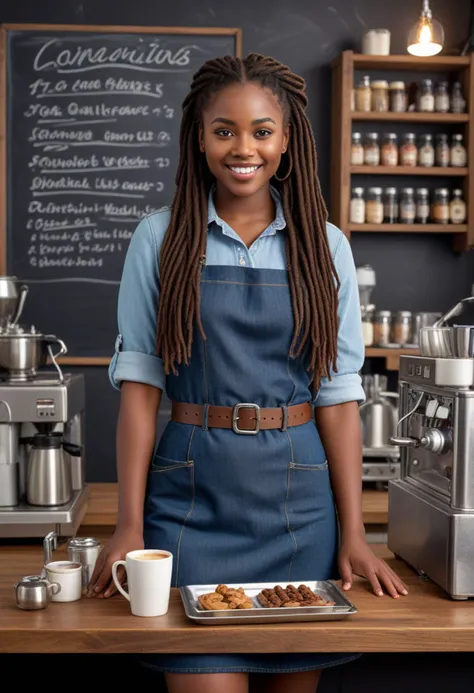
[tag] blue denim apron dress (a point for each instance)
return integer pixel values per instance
(233, 507)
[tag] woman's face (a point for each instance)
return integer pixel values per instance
(243, 136)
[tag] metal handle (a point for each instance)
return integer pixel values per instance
(405, 442)
(52, 339)
(20, 304)
(72, 448)
(453, 312)
(50, 543)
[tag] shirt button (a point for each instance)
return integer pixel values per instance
(242, 261)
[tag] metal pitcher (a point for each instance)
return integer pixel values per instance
(12, 300)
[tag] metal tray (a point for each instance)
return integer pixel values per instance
(259, 614)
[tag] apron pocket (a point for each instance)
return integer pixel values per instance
(309, 499)
(165, 464)
(309, 467)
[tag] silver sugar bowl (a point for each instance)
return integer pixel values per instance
(34, 592)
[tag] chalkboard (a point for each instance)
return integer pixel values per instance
(89, 133)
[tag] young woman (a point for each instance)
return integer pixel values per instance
(241, 302)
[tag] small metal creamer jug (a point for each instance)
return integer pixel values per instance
(34, 592)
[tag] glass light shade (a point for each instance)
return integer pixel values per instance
(426, 37)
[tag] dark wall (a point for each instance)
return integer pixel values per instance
(413, 271)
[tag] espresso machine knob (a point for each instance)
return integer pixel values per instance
(434, 440)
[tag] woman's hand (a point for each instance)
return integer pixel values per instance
(356, 557)
(123, 540)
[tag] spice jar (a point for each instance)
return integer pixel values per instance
(440, 207)
(407, 206)
(422, 213)
(382, 328)
(372, 149)
(458, 154)
(357, 150)
(357, 206)
(390, 206)
(425, 96)
(367, 315)
(442, 151)
(402, 328)
(457, 208)
(398, 97)
(441, 98)
(389, 150)
(379, 101)
(426, 153)
(374, 206)
(408, 150)
(363, 95)
(458, 102)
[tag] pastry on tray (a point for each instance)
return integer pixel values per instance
(290, 597)
(225, 598)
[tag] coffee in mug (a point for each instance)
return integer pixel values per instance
(69, 575)
(149, 581)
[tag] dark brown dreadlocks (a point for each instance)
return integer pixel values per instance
(313, 279)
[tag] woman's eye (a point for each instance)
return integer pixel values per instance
(223, 133)
(263, 132)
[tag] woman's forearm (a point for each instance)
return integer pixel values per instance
(340, 431)
(135, 439)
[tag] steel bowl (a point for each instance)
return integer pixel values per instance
(447, 342)
(23, 354)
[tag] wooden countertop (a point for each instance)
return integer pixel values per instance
(103, 505)
(424, 621)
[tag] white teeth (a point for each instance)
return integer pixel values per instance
(242, 169)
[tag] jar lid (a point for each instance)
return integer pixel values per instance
(356, 134)
(410, 136)
(384, 313)
(441, 191)
(404, 313)
(457, 136)
(408, 191)
(390, 191)
(32, 581)
(397, 85)
(422, 191)
(373, 135)
(457, 191)
(427, 82)
(379, 84)
(442, 136)
(426, 136)
(391, 135)
(376, 191)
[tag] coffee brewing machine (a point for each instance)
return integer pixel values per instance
(431, 505)
(42, 457)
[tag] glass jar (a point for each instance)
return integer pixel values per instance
(408, 150)
(442, 151)
(458, 154)
(390, 206)
(382, 328)
(374, 206)
(422, 206)
(372, 149)
(402, 328)
(425, 96)
(458, 102)
(457, 208)
(426, 152)
(398, 97)
(363, 95)
(380, 100)
(440, 207)
(357, 150)
(357, 206)
(389, 150)
(407, 206)
(367, 315)
(441, 98)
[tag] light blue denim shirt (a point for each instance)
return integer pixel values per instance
(134, 358)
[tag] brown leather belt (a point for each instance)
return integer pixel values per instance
(244, 418)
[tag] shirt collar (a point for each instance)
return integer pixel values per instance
(278, 224)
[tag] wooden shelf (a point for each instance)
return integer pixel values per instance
(409, 62)
(391, 356)
(410, 170)
(409, 228)
(412, 117)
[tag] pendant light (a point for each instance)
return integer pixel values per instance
(426, 37)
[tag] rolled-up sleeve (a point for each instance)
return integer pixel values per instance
(134, 356)
(346, 384)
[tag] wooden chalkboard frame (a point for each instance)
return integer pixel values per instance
(4, 29)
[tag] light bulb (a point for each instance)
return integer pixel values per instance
(426, 37)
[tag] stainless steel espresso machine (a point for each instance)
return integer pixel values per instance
(42, 456)
(431, 506)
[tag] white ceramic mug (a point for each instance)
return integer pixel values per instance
(69, 575)
(149, 581)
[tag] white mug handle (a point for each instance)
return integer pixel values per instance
(117, 583)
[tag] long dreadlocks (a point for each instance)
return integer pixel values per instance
(313, 279)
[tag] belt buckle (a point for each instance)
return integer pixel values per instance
(235, 418)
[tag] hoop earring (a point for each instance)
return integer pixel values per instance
(289, 171)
